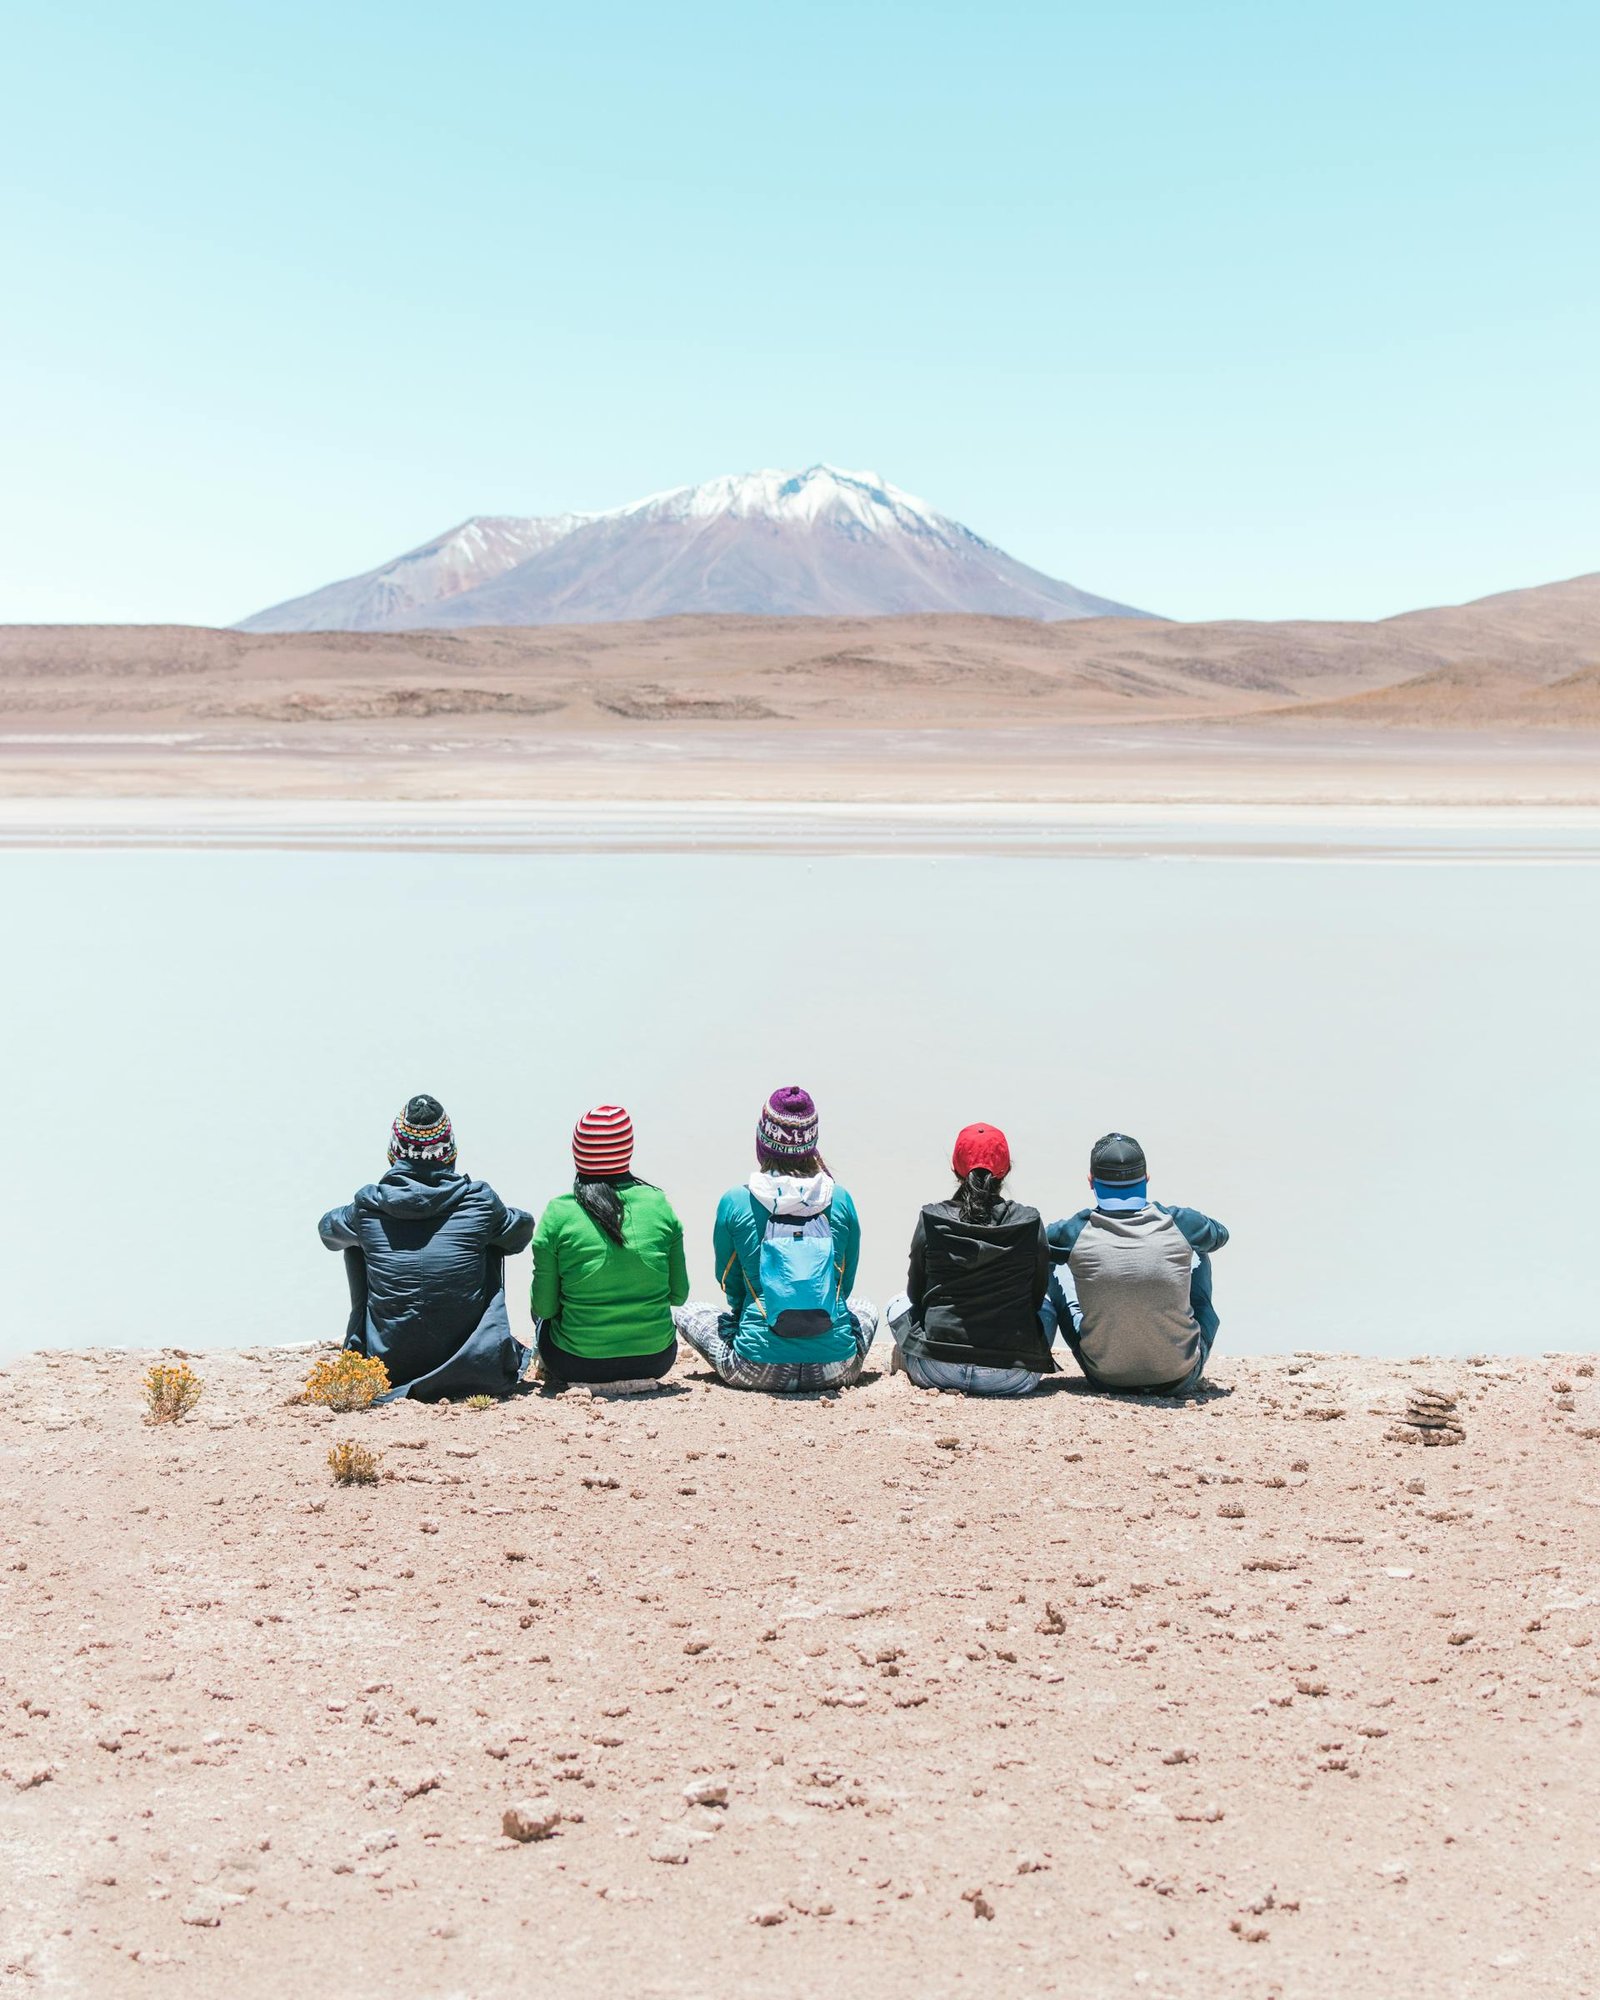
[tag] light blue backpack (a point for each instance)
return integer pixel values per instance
(798, 1289)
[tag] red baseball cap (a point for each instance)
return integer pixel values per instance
(981, 1146)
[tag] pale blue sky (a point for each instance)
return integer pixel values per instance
(1245, 309)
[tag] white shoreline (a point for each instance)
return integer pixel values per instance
(1448, 834)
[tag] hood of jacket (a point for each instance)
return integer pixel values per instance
(1010, 1222)
(410, 1192)
(792, 1194)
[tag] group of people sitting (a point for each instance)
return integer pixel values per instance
(1126, 1282)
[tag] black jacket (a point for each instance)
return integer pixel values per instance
(425, 1249)
(976, 1288)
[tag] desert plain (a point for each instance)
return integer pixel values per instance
(1490, 703)
(885, 1692)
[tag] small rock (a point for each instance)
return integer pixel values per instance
(670, 1851)
(707, 1792)
(530, 1819)
(769, 1914)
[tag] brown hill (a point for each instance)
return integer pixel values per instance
(1528, 658)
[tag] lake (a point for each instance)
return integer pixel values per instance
(1373, 1059)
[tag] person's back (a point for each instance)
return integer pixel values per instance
(979, 1266)
(608, 1264)
(427, 1248)
(787, 1243)
(766, 1207)
(1132, 1292)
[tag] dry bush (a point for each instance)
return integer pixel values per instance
(347, 1381)
(353, 1465)
(481, 1402)
(170, 1393)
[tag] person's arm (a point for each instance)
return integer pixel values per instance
(1063, 1236)
(1202, 1232)
(730, 1272)
(852, 1245)
(338, 1228)
(677, 1267)
(1042, 1266)
(917, 1268)
(511, 1229)
(544, 1295)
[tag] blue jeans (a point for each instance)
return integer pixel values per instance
(963, 1377)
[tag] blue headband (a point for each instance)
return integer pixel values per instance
(1122, 1196)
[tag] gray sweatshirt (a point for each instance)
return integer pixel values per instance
(1143, 1291)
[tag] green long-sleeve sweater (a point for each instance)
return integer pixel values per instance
(607, 1299)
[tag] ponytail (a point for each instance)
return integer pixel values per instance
(977, 1195)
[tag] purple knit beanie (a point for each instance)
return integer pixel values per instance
(787, 1128)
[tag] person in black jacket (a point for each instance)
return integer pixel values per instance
(425, 1251)
(980, 1266)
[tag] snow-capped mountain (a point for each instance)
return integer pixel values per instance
(390, 597)
(774, 544)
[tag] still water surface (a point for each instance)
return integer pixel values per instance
(1380, 1075)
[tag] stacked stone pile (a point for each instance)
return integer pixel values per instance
(1431, 1418)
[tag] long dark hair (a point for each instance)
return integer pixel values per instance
(600, 1201)
(800, 1170)
(978, 1195)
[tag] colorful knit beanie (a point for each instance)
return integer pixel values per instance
(422, 1134)
(981, 1146)
(787, 1128)
(602, 1142)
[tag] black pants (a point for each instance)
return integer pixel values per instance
(567, 1367)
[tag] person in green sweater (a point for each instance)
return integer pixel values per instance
(608, 1265)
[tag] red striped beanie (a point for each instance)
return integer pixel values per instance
(602, 1142)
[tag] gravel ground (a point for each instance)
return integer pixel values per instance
(1080, 1695)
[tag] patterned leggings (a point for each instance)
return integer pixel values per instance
(710, 1333)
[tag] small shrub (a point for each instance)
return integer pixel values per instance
(353, 1465)
(481, 1402)
(170, 1393)
(348, 1381)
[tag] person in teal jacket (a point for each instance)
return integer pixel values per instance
(608, 1265)
(791, 1215)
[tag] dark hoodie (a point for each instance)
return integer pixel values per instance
(425, 1250)
(976, 1288)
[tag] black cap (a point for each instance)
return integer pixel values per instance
(423, 1110)
(1118, 1160)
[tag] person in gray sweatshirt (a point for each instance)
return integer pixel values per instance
(1131, 1289)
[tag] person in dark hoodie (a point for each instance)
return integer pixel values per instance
(969, 1317)
(425, 1251)
(1131, 1293)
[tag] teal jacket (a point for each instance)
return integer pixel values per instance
(736, 1239)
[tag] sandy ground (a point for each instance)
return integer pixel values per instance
(1489, 703)
(1313, 1713)
(1266, 764)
